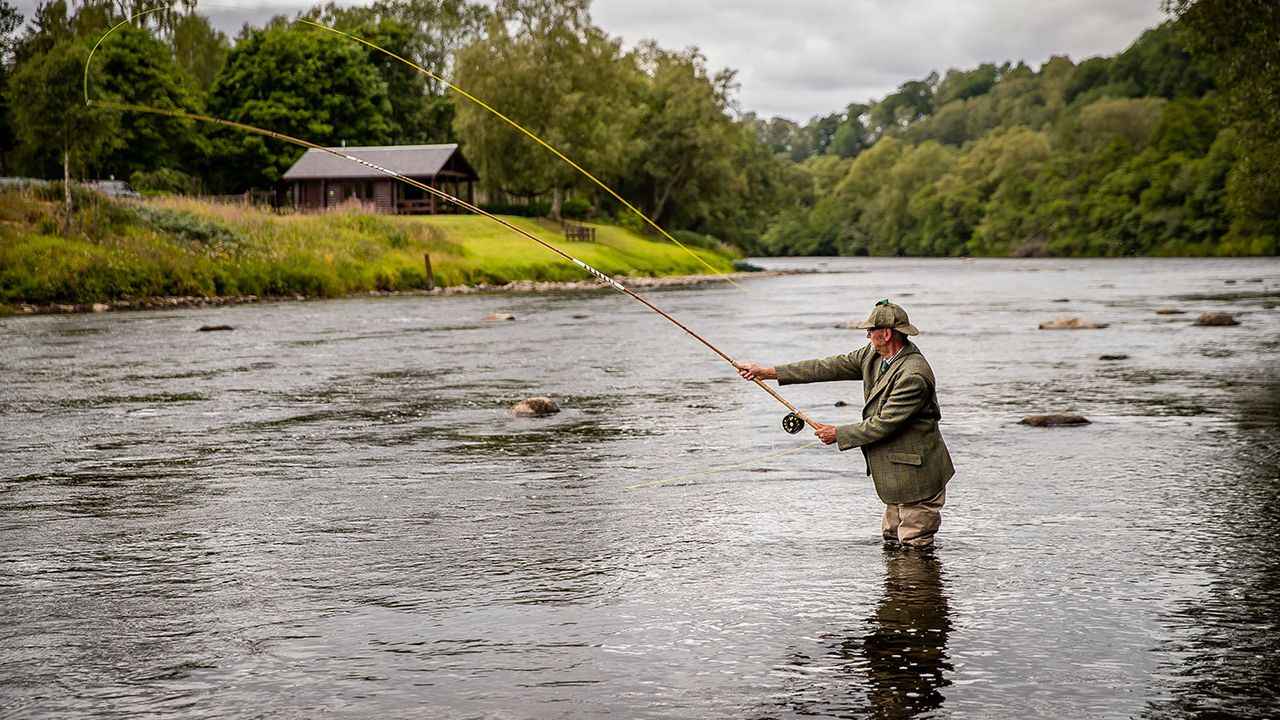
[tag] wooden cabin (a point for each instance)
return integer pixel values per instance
(322, 180)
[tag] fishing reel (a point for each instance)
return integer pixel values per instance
(792, 423)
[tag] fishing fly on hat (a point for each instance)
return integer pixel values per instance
(887, 315)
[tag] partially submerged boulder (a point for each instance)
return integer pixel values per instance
(499, 316)
(1054, 420)
(1116, 356)
(1212, 319)
(1071, 323)
(215, 328)
(1170, 311)
(535, 407)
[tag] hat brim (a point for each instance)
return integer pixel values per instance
(905, 328)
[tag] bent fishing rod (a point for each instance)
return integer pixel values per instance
(793, 422)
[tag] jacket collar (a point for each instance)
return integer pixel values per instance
(882, 378)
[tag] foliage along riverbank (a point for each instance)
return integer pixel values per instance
(122, 253)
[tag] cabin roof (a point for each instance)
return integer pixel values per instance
(415, 161)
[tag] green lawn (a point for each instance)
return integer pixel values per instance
(119, 250)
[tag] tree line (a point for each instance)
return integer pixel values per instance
(1169, 147)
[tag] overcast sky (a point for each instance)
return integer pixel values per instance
(801, 58)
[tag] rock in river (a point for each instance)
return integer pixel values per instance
(1053, 420)
(499, 316)
(535, 407)
(1071, 323)
(1210, 319)
(215, 328)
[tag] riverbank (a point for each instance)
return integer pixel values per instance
(520, 286)
(180, 252)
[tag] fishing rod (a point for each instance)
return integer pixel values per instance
(793, 422)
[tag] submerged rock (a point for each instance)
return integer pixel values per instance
(1053, 420)
(1071, 323)
(1170, 311)
(1113, 357)
(1212, 319)
(215, 328)
(499, 316)
(535, 407)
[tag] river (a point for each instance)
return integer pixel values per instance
(327, 511)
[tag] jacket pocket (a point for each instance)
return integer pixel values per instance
(904, 458)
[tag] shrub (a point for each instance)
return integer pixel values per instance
(533, 209)
(575, 209)
(191, 227)
(164, 181)
(706, 242)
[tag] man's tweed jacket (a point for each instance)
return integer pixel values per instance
(899, 436)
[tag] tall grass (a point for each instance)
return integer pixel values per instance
(130, 250)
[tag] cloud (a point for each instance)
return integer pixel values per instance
(813, 57)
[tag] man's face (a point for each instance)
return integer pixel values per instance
(879, 338)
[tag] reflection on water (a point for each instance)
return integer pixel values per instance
(329, 512)
(895, 664)
(906, 649)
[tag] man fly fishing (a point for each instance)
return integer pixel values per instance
(905, 455)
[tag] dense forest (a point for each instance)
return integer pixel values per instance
(1170, 147)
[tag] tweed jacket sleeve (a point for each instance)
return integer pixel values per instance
(910, 393)
(835, 367)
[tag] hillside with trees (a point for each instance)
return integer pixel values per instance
(1169, 147)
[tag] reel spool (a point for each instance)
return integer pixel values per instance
(792, 423)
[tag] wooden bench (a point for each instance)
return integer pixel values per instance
(579, 233)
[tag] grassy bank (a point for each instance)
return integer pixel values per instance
(125, 250)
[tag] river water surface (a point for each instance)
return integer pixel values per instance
(328, 512)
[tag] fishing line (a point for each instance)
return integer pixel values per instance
(530, 134)
(599, 183)
(794, 421)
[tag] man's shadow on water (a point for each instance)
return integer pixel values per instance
(896, 665)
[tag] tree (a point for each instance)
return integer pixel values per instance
(425, 32)
(545, 66)
(138, 69)
(1132, 121)
(822, 131)
(1241, 39)
(1157, 64)
(199, 49)
(53, 120)
(302, 82)
(964, 84)
(853, 136)
(60, 21)
(1088, 75)
(10, 20)
(686, 155)
(913, 101)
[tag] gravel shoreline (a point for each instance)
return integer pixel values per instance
(521, 286)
